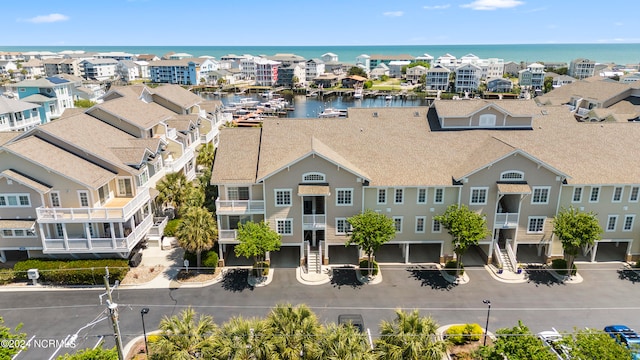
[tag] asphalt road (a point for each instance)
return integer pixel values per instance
(606, 296)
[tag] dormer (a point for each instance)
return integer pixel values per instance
(485, 114)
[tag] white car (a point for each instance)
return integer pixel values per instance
(550, 339)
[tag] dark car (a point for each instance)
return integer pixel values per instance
(625, 336)
(352, 319)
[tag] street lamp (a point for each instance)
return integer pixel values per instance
(486, 327)
(143, 312)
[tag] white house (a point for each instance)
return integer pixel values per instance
(18, 115)
(314, 68)
(329, 57)
(468, 78)
(99, 69)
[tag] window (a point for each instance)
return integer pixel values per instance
(59, 230)
(478, 196)
(15, 200)
(628, 222)
(617, 194)
(577, 195)
(313, 177)
(7, 232)
(612, 222)
(342, 226)
(382, 196)
(438, 197)
(422, 196)
(436, 227)
(83, 197)
(512, 175)
(540, 195)
(55, 198)
(399, 196)
(397, 221)
(283, 197)
(344, 197)
(595, 194)
(633, 195)
(238, 193)
(420, 220)
(487, 120)
(284, 226)
(536, 224)
(143, 177)
(124, 187)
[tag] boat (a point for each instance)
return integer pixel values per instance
(332, 113)
(267, 94)
(388, 97)
(358, 93)
(245, 102)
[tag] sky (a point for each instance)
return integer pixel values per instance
(316, 23)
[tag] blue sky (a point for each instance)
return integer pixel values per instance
(318, 22)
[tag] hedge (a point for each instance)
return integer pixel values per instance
(451, 266)
(462, 334)
(73, 272)
(6, 276)
(209, 259)
(172, 225)
(364, 268)
(560, 266)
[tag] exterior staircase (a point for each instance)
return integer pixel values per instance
(505, 261)
(314, 261)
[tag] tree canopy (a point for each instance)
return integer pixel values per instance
(594, 344)
(575, 229)
(409, 337)
(466, 227)
(357, 70)
(185, 337)
(517, 343)
(197, 232)
(6, 333)
(98, 353)
(370, 230)
(172, 190)
(256, 239)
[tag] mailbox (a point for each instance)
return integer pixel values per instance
(33, 274)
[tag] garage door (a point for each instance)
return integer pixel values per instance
(286, 257)
(611, 251)
(424, 253)
(390, 253)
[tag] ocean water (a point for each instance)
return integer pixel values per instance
(603, 53)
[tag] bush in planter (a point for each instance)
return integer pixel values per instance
(261, 268)
(210, 259)
(6, 276)
(451, 266)
(73, 272)
(364, 268)
(462, 334)
(560, 266)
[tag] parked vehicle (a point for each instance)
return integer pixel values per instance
(551, 339)
(353, 320)
(627, 337)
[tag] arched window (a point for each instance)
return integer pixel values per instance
(512, 175)
(313, 177)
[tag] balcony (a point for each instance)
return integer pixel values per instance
(506, 220)
(228, 236)
(81, 244)
(314, 222)
(239, 207)
(117, 210)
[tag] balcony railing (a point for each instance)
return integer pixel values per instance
(106, 213)
(230, 207)
(78, 243)
(317, 221)
(227, 235)
(506, 220)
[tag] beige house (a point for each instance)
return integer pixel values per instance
(83, 185)
(515, 162)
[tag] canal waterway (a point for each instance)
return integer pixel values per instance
(312, 106)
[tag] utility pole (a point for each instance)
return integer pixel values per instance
(113, 312)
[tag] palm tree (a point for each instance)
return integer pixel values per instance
(294, 331)
(172, 189)
(241, 339)
(206, 155)
(197, 232)
(183, 338)
(409, 337)
(345, 343)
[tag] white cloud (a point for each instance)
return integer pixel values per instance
(393, 13)
(492, 4)
(47, 18)
(437, 7)
(618, 23)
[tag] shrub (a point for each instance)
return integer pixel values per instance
(172, 225)
(462, 334)
(560, 266)
(364, 268)
(6, 276)
(191, 257)
(261, 268)
(210, 260)
(73, 272)
(451, 266)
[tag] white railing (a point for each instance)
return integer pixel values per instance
(179, 163)
(159, 223)
(308, 245)
(497, 255)
(320, 259)
(227, 235)
(60, 215)
(506, 220)
(239, 206)
(317, 221)
(511, 255)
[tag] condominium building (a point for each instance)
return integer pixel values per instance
(53, 94)
(509, 160)
(532, 77)
(468, 78)
(582, 68)
(99, 69)
(266, 72)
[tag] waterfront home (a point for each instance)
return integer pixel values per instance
(291, 75)
(467, 78)
(115, 55)
(329, 57)
(630, 78)
(379, 71)
(147, 57)
(177, 56)
(437, 78)
(33, 69)
(510, 160)
(128, 70)
(425, 58)
(559, 80)
(499, 85)
(266, 72)
(511, 68)
(414, 74)
(63, 66)
(182, 72)
(18, 115)
(532, 77)
(395, 67)
(53, 94)
(353, 82)
(7, 67)
(364, 61)
(582, 68)
(326, 80)
(449, 61)
(378, 59)
(99, 69)
(313, 68)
